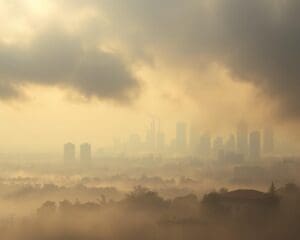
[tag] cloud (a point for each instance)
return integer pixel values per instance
(257, 41)
(55, 57)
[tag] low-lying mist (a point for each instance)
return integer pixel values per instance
(164, 199)
(144, 214)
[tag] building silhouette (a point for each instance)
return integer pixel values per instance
(150, 137)
(69, 153)
(218, 144)
(85, 154)
(229, 145)
(254, 145)
(194, 140)
(242, 138)
(268, 140)
(134, 143)
(205, 145)
(181, 136)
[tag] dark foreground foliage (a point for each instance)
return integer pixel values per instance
(143, 214)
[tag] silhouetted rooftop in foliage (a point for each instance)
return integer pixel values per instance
(244, 194)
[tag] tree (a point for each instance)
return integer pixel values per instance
(144, 198)
(272, 189)
(48, 208)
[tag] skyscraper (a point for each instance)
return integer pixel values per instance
(268, 140)
(194, 140)
(134, 143)
(205, 145)
(181, 136)
(218, 145)
(230, 144)
(254, 145)
(150, 137)
(69, 153)
(242, 138)
(85, 154)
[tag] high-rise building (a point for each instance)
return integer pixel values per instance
(230, 144)
(194, 140)
(242, 139)
(85, 154)
(181, 136)
(134, 143)
(254, 145)
(268, 140)
(218, 145)
(69, 153)
(150, 137)
(205, 145)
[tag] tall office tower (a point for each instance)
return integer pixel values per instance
(230, 144)
(134, 143)
(205, 145)
(85, 154)
(69, 153)
(254, 145)
(160, 138)
(268, 140)
(181, 136)
(194, 140)
(242, 139)
(150, 137)
(218, 145)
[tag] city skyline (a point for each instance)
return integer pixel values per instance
(63, 79)
(250, 143)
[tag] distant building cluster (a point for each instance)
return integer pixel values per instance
(85, 154)
(244, 145)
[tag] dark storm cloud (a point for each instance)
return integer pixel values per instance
(56, 58)
(257, 40)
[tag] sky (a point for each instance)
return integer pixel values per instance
(93, 70)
